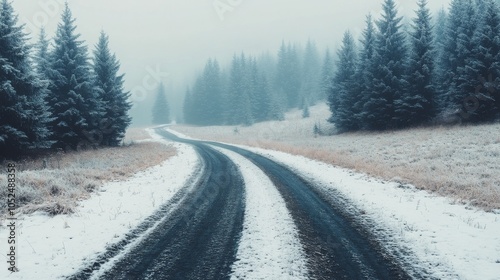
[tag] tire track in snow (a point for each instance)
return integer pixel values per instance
(269, 247)
(336, 247)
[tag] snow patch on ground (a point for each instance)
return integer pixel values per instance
(269, 246)
(450, 241)
(54, 247)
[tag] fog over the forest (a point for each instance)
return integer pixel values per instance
(175, 38)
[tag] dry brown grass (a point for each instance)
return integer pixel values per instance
(56, 183)
(483, 194)
(461, 162)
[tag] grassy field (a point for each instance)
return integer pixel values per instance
(56, 183)
(461, 162)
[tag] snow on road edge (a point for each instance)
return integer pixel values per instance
(270, 246)
(450, 241)
(54, 247)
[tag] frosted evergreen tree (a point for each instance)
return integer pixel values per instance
(161, 108)
(466, 81)
(109, 84)
(288, 80)
(245, 99)
(42, 53)
(327, 72)
(417, 105)
(207, 100)
(198, 101)
(483, 70)
(23, 110)
(440, 24)
(213, 90)
(457, 53)
(343, 95)
(74, 102)
(236, 92)
(258, 95)
(311, 73)
(366, 68)
(389, 60)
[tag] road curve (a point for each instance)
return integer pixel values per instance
(196, 239)
(336, 246)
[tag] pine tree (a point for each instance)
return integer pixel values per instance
(343, 95)
(457, 52)
(259, 95)
(466, 81)
(240, 108)
(109, 85)
(213, 94)
(23, 110)
(311, 73)
(197, 101)
(366, 68)
(327, 72)
(388, 82)
(161, 108)
(417, 105)
(74, 102)
(288, 80)
(483, 69)
(41, 57)
(246, 98)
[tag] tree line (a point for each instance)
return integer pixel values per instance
(256, 89)
(443, 70)
(53, 95)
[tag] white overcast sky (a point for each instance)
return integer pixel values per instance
(178, 36)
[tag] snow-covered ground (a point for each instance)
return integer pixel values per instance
(269, 246)
(54, 247)
(449, 241)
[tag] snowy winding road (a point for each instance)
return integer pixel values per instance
(208, 232)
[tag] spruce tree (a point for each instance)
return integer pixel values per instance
(23, 110)
(311, 73)
(343, 95)
(287, 79)
(213, 93)
(457, 53)
(388, 82)
(75, 104)
(327, 72)
(161, 108)
(465, 80)
(198, 102)
(483, 69)
(41, 57)
(366, 68)
(417, 105)
(239, 105)
(109, 85)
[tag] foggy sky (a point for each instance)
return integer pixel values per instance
(153, 38)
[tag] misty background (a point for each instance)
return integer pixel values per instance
(171, 40)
